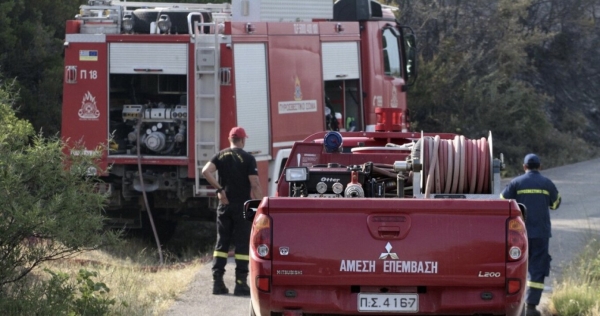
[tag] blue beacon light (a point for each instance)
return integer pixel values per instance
(332, 141)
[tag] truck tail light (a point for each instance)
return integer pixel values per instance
(513, 286)
(263, 283)
(516, 239)
(261, 236)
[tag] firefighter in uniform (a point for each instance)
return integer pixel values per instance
(238, 180)
(537, 193)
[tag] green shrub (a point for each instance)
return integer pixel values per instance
(92, 300)
(59, 296)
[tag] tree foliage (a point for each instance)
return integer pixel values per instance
(31, 50)
(480, 71)
(569, 63)
(49, 206)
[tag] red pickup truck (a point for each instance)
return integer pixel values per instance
(380, 223)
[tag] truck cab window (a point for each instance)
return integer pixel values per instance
(391, 54)
(342, 98)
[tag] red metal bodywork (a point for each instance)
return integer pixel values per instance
(293, 61)
(382, 88)
(84, 115)
(458, 241)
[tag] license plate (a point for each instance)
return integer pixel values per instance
(391, 302)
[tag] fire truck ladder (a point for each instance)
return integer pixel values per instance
(207, 96)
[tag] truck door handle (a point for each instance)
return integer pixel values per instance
(389, 231)
(389, 226)
(147, 70)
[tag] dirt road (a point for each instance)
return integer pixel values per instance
(578, 216)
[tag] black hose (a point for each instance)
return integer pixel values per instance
(139, 161)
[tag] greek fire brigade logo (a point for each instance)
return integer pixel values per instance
(392, 255)
(88, 110)
(298, 105)
(394, 100)
(297, 90)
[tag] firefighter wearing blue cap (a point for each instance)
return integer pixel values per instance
(538, 194)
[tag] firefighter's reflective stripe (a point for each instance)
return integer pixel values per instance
(556, 203)
(533, 191)
(242, 257)
(535, 285)
(220, 254)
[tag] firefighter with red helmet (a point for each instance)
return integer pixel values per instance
(238, 181)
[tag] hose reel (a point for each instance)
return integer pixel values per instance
(456, 166)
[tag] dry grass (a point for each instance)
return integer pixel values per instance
(132, 272)
(575, 299)
(138, 289)
(578, 294)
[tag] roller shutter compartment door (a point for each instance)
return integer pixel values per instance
(139, 58)
(252, 95)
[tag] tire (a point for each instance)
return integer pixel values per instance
(143, 17)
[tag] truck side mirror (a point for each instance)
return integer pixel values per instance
(409, 47)
(250, 208)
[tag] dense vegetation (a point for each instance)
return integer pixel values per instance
(47, 212)
(524, 69)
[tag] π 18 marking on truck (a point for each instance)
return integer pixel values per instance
(159, 85)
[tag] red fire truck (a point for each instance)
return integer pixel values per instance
(156, 87)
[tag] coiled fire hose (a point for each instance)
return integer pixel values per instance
(456, 166)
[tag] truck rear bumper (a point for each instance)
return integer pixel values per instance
(328, 300)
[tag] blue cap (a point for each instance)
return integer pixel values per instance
(531, 159)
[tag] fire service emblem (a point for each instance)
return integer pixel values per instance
(297, 89)
(88, 110)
